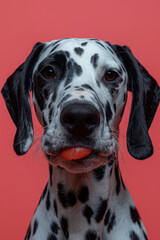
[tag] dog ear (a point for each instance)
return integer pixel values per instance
(16, 93)
(145, 100)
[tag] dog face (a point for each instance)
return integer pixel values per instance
(79, 93)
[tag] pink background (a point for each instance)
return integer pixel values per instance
(23, 23)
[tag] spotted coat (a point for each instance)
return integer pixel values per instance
(79, 93)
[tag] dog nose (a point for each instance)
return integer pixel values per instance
(80, 119)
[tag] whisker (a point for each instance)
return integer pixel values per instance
(117, 134)
(122, 155)
(118, 145)
(37, 150)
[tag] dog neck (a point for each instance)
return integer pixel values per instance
(82, 199)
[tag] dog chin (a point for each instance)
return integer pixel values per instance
(83, 165)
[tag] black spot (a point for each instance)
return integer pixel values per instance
(114, 106)
(99, 173)
(50, 115)
(53, 97)
(101, 44)
(71, 198)
(110, 47)
(66, 97)
(64, 225)
(84, 44)
(82, 97)
(94, 60)
(107, 217)
(101, 210)
(79, 51)
(98, 84)
(57, 41)
(47, 143)
(108, 112)
(50, 173)
(54, 43)
(62, 195)
(48, 201)
(67, 87)
(54, 227)
(117, 180)
(28, 233)
(86, 86)
(77, 88)
(50, 104)
(54, 48)
(133, 236)
(83, 195)
(66, 198)
(111, 223)
(70, 72)
(55, 208)
(90, 235)
(67, 54)
(88, 212)
(111, 50)
(145, 236)
(73, 68)
(135, 216)
(35, 226)
(114, 91)
(51, 236)
(77, 69)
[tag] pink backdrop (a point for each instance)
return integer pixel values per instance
(23, 23)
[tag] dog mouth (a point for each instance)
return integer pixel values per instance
(78, 159)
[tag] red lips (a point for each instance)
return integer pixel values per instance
(75, 153)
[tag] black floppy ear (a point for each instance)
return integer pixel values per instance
(16, 93)
(145, 100)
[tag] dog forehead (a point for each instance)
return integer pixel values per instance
(81, 49)
(79, 46)
(85, 45)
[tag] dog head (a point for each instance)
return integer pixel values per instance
(79, 91)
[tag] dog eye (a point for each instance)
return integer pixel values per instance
(111, 75)
(48, 72)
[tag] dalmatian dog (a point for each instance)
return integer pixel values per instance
(79, 91)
